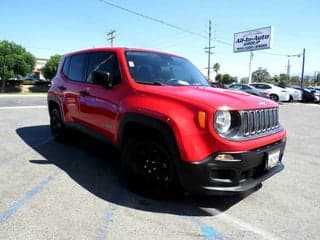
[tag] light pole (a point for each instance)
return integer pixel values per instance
(302, 71)
(288, 67)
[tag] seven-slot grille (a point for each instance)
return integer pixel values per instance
(259, 121)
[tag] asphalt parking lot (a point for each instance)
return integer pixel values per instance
(72, 190)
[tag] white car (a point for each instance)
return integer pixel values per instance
(275, 93)
(295, 94)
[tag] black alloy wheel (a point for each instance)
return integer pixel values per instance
(148, 167)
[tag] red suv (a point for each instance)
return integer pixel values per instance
(172, 128)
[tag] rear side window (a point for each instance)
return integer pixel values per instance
(77, 67)
(66, 65)
(261, 86)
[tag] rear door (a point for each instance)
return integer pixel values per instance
(74, 79)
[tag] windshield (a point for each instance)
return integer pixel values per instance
(162, 69)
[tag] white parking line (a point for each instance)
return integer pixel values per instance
(24, 107)
(5, 95)
(241, 225)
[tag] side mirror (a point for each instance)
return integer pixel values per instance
(102, 78)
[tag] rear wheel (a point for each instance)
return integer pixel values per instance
(274, 97)
(57, 126)
(148, 167)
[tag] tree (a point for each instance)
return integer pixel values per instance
(50, 69)
(14, 61)
(295, 80)
(282, 78)
(216, 68)
(225, 78)
(261, 75)
(244, 80)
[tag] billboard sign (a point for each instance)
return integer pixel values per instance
(252, 40)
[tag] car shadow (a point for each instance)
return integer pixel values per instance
(94, 165)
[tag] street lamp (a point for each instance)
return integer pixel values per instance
(302, 71)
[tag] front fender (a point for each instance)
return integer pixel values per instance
(193, 142)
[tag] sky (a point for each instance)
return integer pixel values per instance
(49, 27)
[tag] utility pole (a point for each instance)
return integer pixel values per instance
(302, 71)
(250, 63)
(111, 36)
(316, 76)
(208, 50)
(288, 70)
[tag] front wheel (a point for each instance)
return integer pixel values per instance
(148, 167)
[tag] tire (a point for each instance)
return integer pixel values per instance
(148, 168)
(57, 126)
(274, 97)
(291, 98)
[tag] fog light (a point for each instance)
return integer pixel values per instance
(225, 157)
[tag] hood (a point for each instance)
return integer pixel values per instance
(216, 98)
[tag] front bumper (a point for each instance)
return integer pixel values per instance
(223, 177)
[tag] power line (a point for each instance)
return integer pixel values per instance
(274, 54)
(157, 20)
(153, 19)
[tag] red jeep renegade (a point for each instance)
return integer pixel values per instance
(172, 128)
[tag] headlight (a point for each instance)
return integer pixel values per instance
(222, 121)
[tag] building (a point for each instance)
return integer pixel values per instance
(40, 63)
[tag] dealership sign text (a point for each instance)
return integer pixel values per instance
(252, 40)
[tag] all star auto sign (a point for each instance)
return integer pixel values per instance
(252, 40)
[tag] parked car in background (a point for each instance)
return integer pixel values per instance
(275, 93)
(295, 94)
(316, 93)
(248, 89)
(307, 96)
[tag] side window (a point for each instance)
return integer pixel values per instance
(66, 65)
(76, 68)
(263, 86)
(105, 62)
(236, 87)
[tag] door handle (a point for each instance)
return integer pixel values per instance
(62, 88)
(84, 93)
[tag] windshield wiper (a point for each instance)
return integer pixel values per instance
(151, 83)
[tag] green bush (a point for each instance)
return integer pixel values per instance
(28, 82)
